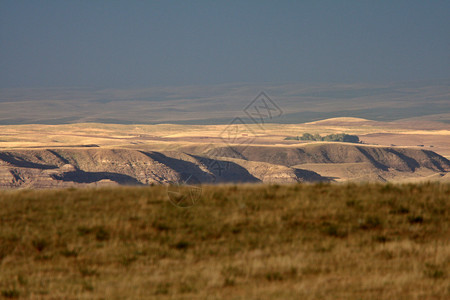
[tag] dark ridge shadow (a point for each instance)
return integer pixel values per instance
(300, 152)
(18, 162)
(311, 176)
(59, 156)
(238, 152)
(381, 178)
(302, 156)
(372, 160)
(179, 166)
(16, 175)
(325, 155)
(278, 158)
(90, 177)
(434, 157)
(228, 151)
(411, 162)
(226, 171)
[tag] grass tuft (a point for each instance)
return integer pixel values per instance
(302, 241)
(102, 234)
(434, 271)
(181, 245)
(415, 219)
(86, 271)
(40, 244)
(334, 230)
(10, 293)
(371, 222)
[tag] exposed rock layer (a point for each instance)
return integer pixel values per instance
(316, 162)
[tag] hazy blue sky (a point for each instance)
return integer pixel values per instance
(152, 43)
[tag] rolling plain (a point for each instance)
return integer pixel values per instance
(324, 225)
(274, 218)
(39, 156)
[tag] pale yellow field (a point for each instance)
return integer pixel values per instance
(269, 138)
(436, 139)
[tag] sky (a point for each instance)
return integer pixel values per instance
(128, 44)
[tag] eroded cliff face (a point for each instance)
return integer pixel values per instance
(97, 166)
(384, 158)
(61, 168)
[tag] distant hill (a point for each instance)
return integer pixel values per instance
(306, 163)
(385, 158)
(220, 104)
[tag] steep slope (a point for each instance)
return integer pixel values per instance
(384, 158)
(87, 166)
(311, 162)
(58, 167)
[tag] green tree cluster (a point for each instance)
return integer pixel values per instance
(335, 137)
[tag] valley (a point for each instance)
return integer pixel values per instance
(92, 154)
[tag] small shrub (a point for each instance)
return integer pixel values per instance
(293, 271)
(333, 230)
(128, 260)
(339, 137)
(10, 293)
(381, 238)
(102, 234)
(85, 271)
(292, 138)
(415, 219)
(40, 244)
(69, 253)
(22, 280)
(401, 210)
(433, 271)
(351, 203)
(228, 281)
(371, 222)
(83, 230)
(274, 276)
(181, 245)
(236, 230)
(278, 274)
(230, 274)
(87, 286)
(160, 225)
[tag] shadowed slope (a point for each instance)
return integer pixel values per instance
(384, 158)
(311, 162)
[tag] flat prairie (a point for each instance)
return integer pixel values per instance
(298, 241)
(435, 137)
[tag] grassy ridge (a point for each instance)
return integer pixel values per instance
(321, 241)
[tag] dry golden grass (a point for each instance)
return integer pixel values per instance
(16, 136)
(323, 241)
(432, 136)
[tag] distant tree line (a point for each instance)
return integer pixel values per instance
(335, 137)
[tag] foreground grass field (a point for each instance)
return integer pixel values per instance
(302, 241)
